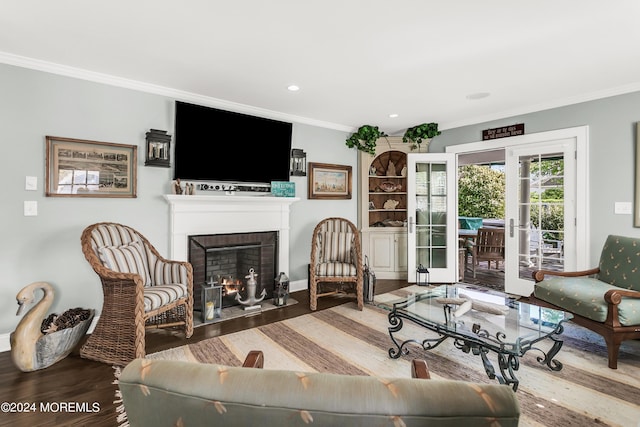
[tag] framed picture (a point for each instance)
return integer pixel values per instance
(328, 181)
(78, 168)
(636, 210)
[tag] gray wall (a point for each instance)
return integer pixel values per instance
(47, 247)
(612, 135)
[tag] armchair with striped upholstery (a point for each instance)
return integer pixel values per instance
(141, 290)
(336, 261)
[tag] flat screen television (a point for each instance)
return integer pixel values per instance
(214, 145)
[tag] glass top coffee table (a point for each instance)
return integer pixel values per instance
(479, 321)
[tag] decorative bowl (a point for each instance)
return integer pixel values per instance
(388, 186)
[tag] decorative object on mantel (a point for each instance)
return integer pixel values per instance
(298, 165)
(283, 188)
(421, 133)
(189, 189)
(251, 303)
(176, 187)
(158, 148)
(38, 342)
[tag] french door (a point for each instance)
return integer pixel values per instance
(530, 242)
(432, 216)
(540, 231)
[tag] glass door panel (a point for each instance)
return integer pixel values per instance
(540, 206)
(431, 207)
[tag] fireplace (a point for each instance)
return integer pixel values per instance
(226, 260)
(230, 215)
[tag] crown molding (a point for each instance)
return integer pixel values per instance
(93, 76)
(563, 102)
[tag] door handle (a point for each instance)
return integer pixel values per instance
(512, 226)
(410, 224)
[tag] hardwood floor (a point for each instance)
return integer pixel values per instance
(79, 392)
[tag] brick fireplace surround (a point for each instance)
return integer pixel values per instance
(223, 214)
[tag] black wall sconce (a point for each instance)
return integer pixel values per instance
(298, 165)
(158, 148)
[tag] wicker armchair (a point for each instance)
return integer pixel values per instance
(336, 261)
(141, 290)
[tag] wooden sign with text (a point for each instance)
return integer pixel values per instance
(503, 132)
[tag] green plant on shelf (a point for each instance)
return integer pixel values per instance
(421, 133)
(365, 138)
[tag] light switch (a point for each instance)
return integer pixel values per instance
(31, 183)
(30, 208)
(622, 208)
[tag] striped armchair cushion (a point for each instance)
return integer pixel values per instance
(159, 295)
(129, 258)
(336, 246)
(328, 269)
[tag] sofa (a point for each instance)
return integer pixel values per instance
(604, 299)
(168, 393)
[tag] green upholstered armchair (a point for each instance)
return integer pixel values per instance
(605, 299)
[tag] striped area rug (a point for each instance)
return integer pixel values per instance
(347, 341)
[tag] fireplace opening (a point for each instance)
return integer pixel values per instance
(226, 259)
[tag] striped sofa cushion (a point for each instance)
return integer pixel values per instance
(159, 295)
(129, 258)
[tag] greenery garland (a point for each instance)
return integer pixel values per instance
(365, 138)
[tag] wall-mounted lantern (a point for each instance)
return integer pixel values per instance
(298, 165)
(158, 148)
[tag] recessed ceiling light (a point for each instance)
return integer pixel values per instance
(293, 88)
(478, 95)
(393, 115)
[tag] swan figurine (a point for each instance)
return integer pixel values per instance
(30, 348)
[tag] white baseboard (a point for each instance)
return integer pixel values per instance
(5, 343)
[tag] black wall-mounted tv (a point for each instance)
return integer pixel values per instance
(222, 146)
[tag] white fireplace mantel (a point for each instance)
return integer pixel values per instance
(221, 214)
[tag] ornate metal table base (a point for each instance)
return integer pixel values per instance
(508, 361)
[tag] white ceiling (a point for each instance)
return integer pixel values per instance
(356, 61)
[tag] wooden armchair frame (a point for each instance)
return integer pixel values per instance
(314, 279)
(611, 329)
(488, 246)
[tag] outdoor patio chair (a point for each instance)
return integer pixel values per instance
(488, 246)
